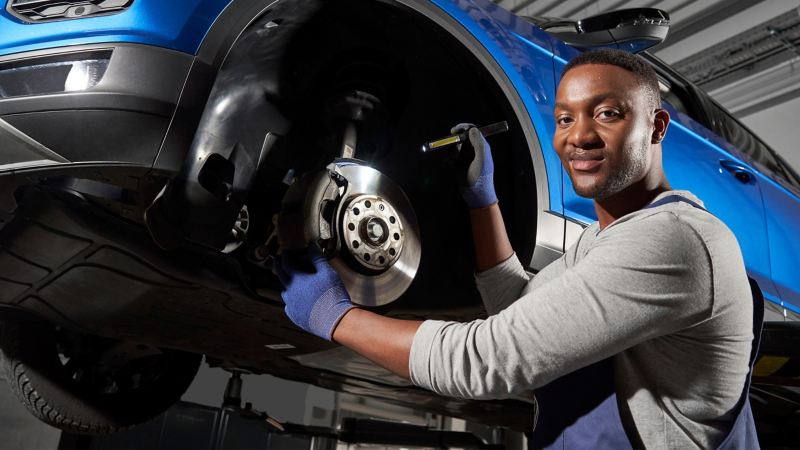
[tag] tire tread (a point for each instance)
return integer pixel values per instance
(23, 384)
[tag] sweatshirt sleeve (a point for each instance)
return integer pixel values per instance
(502, 284)
(506, 282)
(631, 286)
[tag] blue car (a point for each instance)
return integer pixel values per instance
(155, 155)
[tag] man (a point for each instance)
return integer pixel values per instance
(651, 308)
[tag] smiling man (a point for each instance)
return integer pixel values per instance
(639, 336)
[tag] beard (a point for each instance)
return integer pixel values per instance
(622, 176)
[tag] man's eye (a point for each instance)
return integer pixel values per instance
(563, 121)
(608, 114)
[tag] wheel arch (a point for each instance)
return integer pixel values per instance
(241, 16)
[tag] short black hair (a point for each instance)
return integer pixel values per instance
(644, 73)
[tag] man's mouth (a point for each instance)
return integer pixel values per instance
(586, 163)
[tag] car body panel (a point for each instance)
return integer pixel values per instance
(131, 105)
(522, 50)
(783, 217)
(695, 164)
(177, 25)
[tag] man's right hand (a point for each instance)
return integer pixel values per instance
(478, 183)
(314, 294)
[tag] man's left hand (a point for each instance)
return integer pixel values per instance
(478, 182)
(315, 296)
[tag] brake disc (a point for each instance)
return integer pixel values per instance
(362, 219)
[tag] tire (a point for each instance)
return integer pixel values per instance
(80, 395)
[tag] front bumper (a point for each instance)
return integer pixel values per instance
(102, 104)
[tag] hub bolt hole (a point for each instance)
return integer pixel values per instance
(392, 251)
(392, 219)
(355, 244)
(368, 204)
(351, 227)
(356, 211)
(381, 259)
(366, 256)
(396, 236)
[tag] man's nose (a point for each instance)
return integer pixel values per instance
(582, 134)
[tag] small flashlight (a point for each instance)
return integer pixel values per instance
(488, 130)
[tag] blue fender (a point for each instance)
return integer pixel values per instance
(524, 53)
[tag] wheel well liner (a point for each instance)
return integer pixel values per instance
(213, 68)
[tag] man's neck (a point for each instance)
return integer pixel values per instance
(632, 198)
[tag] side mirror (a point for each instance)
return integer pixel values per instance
(634, 30)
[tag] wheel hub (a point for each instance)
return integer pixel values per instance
(362, 221)
(372, 232)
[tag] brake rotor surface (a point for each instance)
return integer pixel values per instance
(378, 231)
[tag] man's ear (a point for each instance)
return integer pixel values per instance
(660, 124)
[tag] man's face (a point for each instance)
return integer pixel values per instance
(604, 129)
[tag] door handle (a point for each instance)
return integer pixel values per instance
(739, 171)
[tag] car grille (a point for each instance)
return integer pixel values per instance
(48, 10)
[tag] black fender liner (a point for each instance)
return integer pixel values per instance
(241, 123)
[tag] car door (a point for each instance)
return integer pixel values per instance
(780, 189)
(782, 204)
(698, 160)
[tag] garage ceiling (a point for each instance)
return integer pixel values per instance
(745, 53)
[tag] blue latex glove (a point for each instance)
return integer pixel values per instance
(315, 297)
(478, 189)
